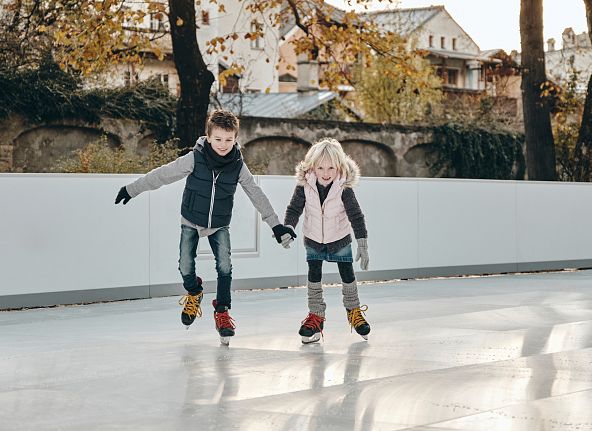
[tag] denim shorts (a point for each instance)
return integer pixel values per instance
(342, 255)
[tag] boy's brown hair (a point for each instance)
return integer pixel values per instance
(222, 119)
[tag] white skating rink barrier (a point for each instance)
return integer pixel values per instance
(62, 239)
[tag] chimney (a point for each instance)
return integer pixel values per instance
(308, 74)
(551, 44)
(569, 38)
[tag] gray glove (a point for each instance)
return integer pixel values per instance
(287, 238)
(363, 253)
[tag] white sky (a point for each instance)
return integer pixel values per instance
(496, 24)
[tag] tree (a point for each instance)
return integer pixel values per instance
(540, 151)
(194, 76)
(582, 151)
(87, 36)
(388, 94)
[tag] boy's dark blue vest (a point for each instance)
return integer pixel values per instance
(198, 206)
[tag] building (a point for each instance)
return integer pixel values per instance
(457, 58)
(258, 56)
(575, 55)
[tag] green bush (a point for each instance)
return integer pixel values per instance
(48, 94)
(99, 157)
(464, 152)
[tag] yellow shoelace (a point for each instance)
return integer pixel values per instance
(191, 304)
(356, 317)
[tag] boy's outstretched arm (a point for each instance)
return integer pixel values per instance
(156, 178)
(262, 204)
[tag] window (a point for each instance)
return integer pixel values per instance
(442, 42)
(232, 84)
(454, 44)
(156, 21)
(287, 77)
(163, 78)
(452, 77)
(126, 21)
(129, 78)
(205, 17)
(431, 41)
(257, 30)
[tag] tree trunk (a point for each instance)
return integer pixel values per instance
(584, 142)
(540, 150)
(195, 78)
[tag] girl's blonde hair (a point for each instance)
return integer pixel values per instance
(326, 149)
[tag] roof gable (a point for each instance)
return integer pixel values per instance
(405, 21)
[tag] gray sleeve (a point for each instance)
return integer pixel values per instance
(257, 197)
(295, 207)
(354, 213)
(166, 174)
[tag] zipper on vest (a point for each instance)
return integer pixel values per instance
(214, 178)
(323, 223)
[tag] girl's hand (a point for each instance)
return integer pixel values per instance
(362, 253)
(284, 234)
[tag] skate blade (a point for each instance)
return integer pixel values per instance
(312, 339)
(225, 340)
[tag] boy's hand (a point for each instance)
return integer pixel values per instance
(363, 253)
(123, 195)
(284, 235)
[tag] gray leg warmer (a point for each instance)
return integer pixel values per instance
(316, 305)
(350, 295)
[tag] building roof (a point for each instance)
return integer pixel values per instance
(275, 105)
(488, 53)
(406, 21)
(483, 56)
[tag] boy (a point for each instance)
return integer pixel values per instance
(213, 169)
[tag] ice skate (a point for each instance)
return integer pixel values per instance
(356, 319)
(191, 308)
(224, 323)
(312, 328)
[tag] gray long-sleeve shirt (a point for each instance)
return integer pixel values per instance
(182, 167)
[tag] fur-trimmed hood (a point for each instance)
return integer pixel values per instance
(350, 177)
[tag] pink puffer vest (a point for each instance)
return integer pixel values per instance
(327, 223)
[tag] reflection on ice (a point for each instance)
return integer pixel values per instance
(505, 353)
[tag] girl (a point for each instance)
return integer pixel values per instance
(324, 192)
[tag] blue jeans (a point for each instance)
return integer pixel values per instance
(342, 255)
(220, 244)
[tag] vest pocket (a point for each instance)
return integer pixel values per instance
(187, 196)
(189, 199)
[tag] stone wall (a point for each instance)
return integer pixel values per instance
(28, 147)
(274, 146)
(270, 146)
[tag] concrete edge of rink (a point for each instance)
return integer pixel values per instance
(85, 296)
